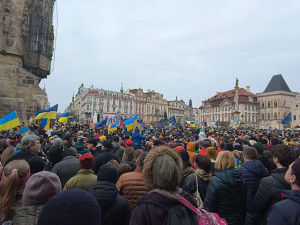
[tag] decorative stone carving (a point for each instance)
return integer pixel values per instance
(7, 6)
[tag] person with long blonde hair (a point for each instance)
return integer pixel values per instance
(226, 193)
(13, 179)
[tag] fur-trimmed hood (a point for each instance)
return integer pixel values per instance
(150, 159)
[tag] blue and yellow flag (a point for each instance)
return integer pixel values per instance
(238, 123)
(64, 118)
(23, 131)
(192, 124)
(129, 123)
(45, 124)
(50, 113)
(114, 126)
(9, 121)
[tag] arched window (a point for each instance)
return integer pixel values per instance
(269, 116)
(269, 104)
(263, 105)
(275, 103)
(262, 116)
(275, 116)
(35, 24)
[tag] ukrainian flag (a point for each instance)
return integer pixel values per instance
(130, 122)
(50, 113)
(64, 118)
(192, 124)
(238, 123)
(114, 126)
(9, 121)
(23, 131)
(45, 124)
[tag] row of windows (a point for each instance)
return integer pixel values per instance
(269, 116)
(271, 104)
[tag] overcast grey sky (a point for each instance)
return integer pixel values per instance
(190, 49)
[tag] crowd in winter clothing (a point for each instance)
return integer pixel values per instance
(150, 176)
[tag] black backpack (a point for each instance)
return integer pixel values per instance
(176, 215)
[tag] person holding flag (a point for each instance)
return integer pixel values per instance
(137, 138)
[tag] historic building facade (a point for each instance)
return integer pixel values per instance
(26, 48)
(104, 103)
(276, 102)
(156, 107)
(225, 108)
(179, 110)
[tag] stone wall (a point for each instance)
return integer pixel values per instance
(20, 89)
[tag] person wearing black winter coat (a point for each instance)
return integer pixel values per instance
(114, 208)
(270, 188)
(253, 171)
(226, 193)
(105, 156)
(288, 211)
(202, 165)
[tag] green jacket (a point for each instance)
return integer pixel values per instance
(27, 215)
(82, 180)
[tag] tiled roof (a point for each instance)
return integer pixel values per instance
(277, 83)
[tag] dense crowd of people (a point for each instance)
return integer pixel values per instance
(150, 176)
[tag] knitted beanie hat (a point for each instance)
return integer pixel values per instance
(108, 172)
(71, 207)
(179, 149)
(184, 156)
(86, 161)
(40, 188)
(102, 138)
(128, 143)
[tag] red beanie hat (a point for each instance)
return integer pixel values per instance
(86, 161)
(128, 143)
(178, 149)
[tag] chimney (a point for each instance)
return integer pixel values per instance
(248, 88)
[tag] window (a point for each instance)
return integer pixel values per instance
(245, 107)
(88, 107)
(269, 116)
(294, 117)
(45, 33)
(35, 24)
(275, 115)
(269, 104)
(262, 117)
(275, 103)
(262, 105)
(107, 109)
(252, 118)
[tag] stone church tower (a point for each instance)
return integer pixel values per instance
(26, 48)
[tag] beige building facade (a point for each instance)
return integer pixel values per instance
(225, 108)
(276, 102)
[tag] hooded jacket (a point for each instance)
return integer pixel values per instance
(82, 180)
(253, 172)
(137, 139)
(114, 208)
(146, 212)
(118, 149)
(220, 199)
(286, 212)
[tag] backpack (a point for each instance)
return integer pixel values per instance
(186, 214)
